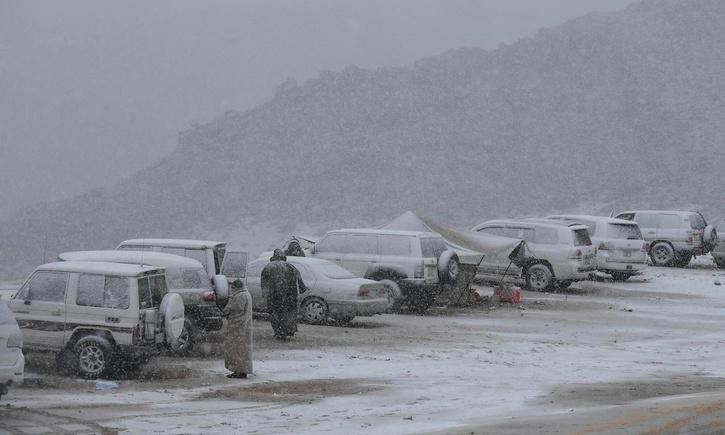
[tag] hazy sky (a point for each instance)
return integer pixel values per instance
(92, 90)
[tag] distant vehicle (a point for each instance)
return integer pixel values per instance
(674, 236)
(184, 276)
(718, 252)
(12, 361)
(562, 252)
(98, 315)
(417, 262)
(209, 253)
(621, 250)
(332, 292)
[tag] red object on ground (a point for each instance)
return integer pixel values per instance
(510, 295)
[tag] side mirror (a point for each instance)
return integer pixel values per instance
(221, 288)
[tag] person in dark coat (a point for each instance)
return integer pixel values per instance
(282, 283)
(294, 249)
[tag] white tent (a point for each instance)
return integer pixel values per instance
(470, 245)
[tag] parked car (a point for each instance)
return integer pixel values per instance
(417, 262)
(718, 252)
(332, 292)
(674, 236)
(184, 276)
(561, 252)
(98, 315)
(621, 250)
(209, 253)
(12, 361)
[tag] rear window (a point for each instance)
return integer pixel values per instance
(151, 290)
(6, 316)
(219, 253)
(581, 237)
(432, 246)
(697, 222)
(623, 231)
(235, 264)
(186, 278)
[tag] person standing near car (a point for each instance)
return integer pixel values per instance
(282, 284)
(238, 341)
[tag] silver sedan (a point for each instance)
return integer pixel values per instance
(333, 292)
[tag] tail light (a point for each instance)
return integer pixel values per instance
(15, 340)
(576, 254)
(645, 247)
(363, 292)
(210, 296)
(419, 270)
(136, 335)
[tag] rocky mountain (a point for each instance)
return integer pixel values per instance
(606, 111)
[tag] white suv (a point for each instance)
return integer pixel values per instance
(674, 236)
(561, 252)
(209, 253)
(418, 262)
(621, 250)
(12, 361)
(98, 315)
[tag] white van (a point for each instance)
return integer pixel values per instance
(98, 315)
(561, 252)
(184, 276)
(621, 250)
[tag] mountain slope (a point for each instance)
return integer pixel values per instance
(608, 110)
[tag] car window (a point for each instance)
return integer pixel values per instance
(624, 231)
(6, 316)
(197, 254)
(363, 244)
(186, 278)
(45, 286)
(173, 251)
(102, 291)
(395, 245)
(513, 232)
(432, 246)
(626, 216)
(697, 222)
(235, 264)
(219, 254)
(331, 243)
(591, 225)
(647, 220)
(144, 293)
(581, 237)
(496, 231)
(305, 273)
(546, 236)
(158, 288)
(670, 221)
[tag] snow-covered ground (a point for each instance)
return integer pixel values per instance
(599, 344)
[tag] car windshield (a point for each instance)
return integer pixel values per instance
(432, 246)
(624, 231)
(333, 271)
(186, 278)
(697, 222)
(6, 316)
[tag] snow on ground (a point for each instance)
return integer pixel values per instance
(438, 372)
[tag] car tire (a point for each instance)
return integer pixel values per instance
(186, 340)
(93, 356)
(564, 284)
(314, 311)
(394, 294)
(682, 260)
(621, 276)
(662, 254)
(539, 277)
(720, 264)
(448, 267)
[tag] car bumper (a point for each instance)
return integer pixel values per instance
(358, 307)
(575, 270)
(635, 263)
(13, 373)
(684, 249)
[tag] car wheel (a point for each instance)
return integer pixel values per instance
(186, 340)
(314, 311)
(720, 264)
(662, 254)
(448, 267)
(93, 356)
(393, 294)
(682, 260)
(539, 277)
(621, 276)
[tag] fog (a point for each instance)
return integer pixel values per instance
(92, 91)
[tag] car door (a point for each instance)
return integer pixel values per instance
(362, 253)
(39, 308)
(234, 266)
(670, 227)
(648, 224)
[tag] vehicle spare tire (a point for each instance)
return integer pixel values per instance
(710, 237)
(221, 288)
(448, 267)
(172, 309)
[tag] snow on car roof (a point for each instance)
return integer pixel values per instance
(384, 232)
(101, 268)
(598, 219)
(679, 212)
(528, 221)
(174, 243)
(159, 259)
